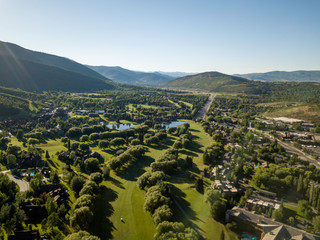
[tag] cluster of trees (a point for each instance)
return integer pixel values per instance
(158, 202)
(155, 138)
(149, 179)
(11, 216)
(167, 163)
(280, 179)
(213, 154)
(131, 154)
(217, 205)
(82, 214)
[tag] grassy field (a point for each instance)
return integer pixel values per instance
(307, 112)
(121, 198)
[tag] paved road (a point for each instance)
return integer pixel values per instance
(202, 112)
(23, 185)
(292, 150)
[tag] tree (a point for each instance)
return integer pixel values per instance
(11, 160)
(91, 165)
(54, 177)
(94, 136)
(81, 235)
(13, 149)
(77, 183)
(278, 214)
(84, 138)
(154, 199)
(305, 209)
(168, 230)
(47, 154)
(52, 220)
(84, 146)
(85, 200)
(218, 209)
(103, 144)
(163, 213)
(316, 223)
(291, 221)
(33, 141)
(35, 183)
(135, 142)
(90, 188)
(19, 217)
(96, 177)
(51, 205)
(105, 171)
(188, 162)
(211, 196)
(74, 146)
(81, 217)
(300, 184)
(199, 185)
(20, 134)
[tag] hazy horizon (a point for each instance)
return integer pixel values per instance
(180, 36)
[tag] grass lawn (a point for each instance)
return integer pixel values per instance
(121, 198)
(198, 211)
(307, 112)
(201, 140)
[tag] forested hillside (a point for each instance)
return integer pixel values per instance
(308, 92)
(121, 75)
(33, 71)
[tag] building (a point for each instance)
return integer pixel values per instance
(267, 228)
(225, 187)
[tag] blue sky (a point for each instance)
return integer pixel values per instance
(230, 36)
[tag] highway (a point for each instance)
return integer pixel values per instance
(202, 112)
(292, 150)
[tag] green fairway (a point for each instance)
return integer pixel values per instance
(121, 198)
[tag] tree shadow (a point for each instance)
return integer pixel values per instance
(188, 153)
(194, 130)
(136, 168)
(116, 182)
(195, 147)
(178, 197)
(52, 163)
(101, 226)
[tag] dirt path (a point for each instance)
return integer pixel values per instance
(187, 217)
(202, 112)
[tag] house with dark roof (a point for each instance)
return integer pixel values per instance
(267, 228)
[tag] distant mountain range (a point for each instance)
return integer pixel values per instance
(211, 81)
(283, 76)
(122, 75)
(308, 92)
(36, 71)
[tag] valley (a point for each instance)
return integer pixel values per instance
(151, 156)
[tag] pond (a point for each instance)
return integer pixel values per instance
(122, 126)
(173, 124)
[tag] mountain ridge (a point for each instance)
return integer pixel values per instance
(123, 75)
(35, 71)
(210, 81)
(284, 76)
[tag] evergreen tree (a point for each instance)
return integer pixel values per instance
(47, 154)
(300, 184)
